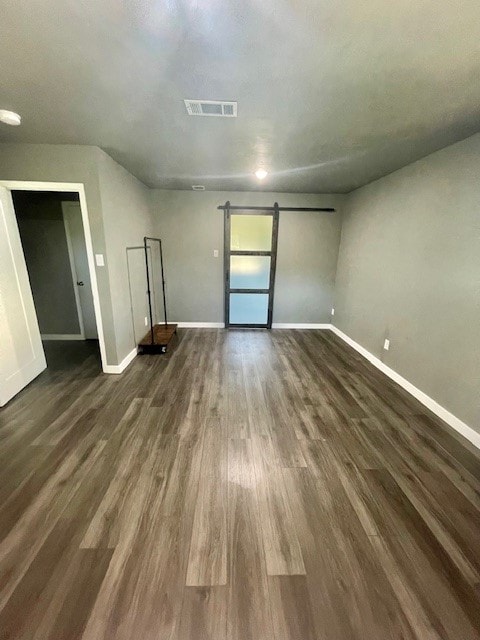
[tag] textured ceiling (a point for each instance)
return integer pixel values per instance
(331, 94)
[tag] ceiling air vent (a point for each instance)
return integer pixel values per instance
(211, 108)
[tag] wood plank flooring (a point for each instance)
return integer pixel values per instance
(248, 485)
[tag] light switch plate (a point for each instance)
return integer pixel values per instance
(386, 345)
(215, 253)
(99, 260)
(333, 312)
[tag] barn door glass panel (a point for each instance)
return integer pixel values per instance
(251, 233)
(249, 272)
(248, 308)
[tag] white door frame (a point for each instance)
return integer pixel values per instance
(76, 187)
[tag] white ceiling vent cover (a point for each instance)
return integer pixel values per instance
(215, 108)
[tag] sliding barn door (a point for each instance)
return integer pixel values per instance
(250, 261)
(21, 350)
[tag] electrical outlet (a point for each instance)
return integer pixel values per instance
(146, 321)
(215, 253)
(386, 344)
(333, 312)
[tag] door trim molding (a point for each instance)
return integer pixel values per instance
(78, 187)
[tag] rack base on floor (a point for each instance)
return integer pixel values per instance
(162, 334)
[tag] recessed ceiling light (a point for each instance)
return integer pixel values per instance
(261, 174)
(198, 187)
(10, 117)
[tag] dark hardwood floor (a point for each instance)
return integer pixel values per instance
(248, 485)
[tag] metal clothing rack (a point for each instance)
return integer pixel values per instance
(157, 339)
(146, 239)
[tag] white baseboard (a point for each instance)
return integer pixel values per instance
(452, 420)
(275, 325)
(299, 325)
(62, 336)
(200, 325)
(119, 368)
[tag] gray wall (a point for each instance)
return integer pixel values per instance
(409, 270)
(44, 242)
(127, 219)
(191, 227)
(113, 197)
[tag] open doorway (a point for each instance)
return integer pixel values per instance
(53, 242)
(23, 352)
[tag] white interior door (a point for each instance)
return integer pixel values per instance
(72, 215)
(21, 350)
